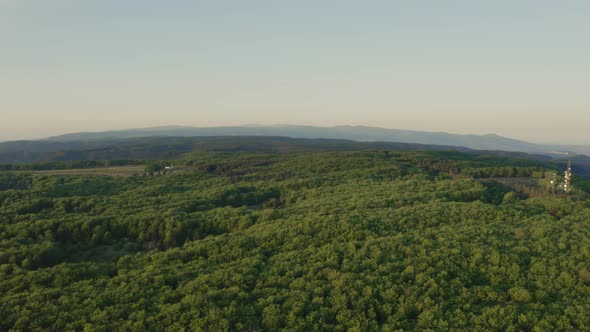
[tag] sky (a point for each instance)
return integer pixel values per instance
(515, 68)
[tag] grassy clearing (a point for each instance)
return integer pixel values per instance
(110, 171)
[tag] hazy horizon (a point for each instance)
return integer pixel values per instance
(519, 70)
(271, 125)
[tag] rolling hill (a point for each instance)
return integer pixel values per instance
(173, 142)
(356, 133)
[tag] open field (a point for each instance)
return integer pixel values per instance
(123, 171)
(110, 171)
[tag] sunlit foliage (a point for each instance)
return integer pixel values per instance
(359, 241)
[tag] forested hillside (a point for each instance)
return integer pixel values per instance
(356, 133)
(314, 241)
(44, 155)
(174, 147)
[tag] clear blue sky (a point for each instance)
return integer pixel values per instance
(515, 68)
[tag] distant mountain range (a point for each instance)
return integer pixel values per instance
(355, 133)
(164, 143)
(167, 142)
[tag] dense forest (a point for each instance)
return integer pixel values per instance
(52, 154)
(306, 241)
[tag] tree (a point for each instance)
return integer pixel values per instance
(152, 168)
